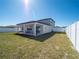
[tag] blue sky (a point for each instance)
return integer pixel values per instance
(64, 12)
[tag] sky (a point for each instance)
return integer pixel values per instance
(63, 12)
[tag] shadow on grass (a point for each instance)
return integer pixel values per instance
(40, 38)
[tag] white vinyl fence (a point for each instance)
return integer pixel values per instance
(73, 34)
(59, 29)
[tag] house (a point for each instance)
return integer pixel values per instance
(36, 28)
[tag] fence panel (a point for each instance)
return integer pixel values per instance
(77, 37)
(59, 29)
(73, 32)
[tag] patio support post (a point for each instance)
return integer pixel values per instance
(34, 29)
(24, 28)
(17, 28)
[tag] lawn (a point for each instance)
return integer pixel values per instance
(49, 46)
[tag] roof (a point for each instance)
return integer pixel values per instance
(47, 19)
(38, 21)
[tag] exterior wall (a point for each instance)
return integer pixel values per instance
(47, 29)
(73, 34)
(58, 29)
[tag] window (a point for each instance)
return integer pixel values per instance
(29, 29)
(22, 28)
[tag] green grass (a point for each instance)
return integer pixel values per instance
(49, 46)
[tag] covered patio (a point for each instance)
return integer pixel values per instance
(34, 29)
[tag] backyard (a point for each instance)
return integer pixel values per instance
(49, 46)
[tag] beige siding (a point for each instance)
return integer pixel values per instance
(47, 29)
